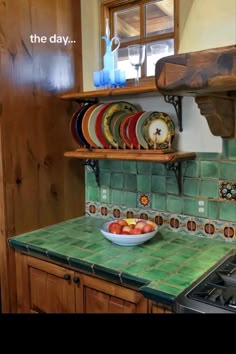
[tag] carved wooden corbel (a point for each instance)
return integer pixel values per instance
(210, 76)
(220, 114)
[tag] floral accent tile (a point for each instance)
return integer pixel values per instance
(144, 200)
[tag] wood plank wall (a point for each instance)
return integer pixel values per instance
(38, 186)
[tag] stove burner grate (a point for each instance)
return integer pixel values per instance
(219, 288)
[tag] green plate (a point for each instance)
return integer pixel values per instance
(116, 128)
(139, 130)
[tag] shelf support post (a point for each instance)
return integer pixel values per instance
(176, 101)
(93, 166)
(176, 167)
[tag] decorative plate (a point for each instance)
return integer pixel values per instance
(124, 130)
(73, 128)
(98, 126)
(131, 130)
(85, 125)
(91, 125)
(115, 127)
(78, 125)
(139, 130)
(158, 130)
(108, 114)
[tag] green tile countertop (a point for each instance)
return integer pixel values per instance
(160, 268)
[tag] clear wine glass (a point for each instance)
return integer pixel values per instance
(158, 51)
(136, 54)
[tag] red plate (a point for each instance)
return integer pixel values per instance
(98, 127)
(123, 130)
(131, 133)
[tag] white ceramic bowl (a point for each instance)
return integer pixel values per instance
(126, 240)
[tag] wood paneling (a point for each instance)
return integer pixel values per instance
(37, 184)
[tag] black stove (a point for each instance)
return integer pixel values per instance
(215, 292)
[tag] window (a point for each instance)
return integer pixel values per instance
(142, 22)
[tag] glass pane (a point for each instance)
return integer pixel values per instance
(156, 51)
(159, 17)
(127, 24)
(124, 64)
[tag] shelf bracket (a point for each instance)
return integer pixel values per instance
(176, 167)
(176, 101)
(93, 166)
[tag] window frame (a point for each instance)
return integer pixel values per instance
(108, 7)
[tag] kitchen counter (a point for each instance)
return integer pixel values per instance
(160, 268)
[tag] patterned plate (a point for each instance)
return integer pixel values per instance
(158, 130)
(107, 117)
(98, 126)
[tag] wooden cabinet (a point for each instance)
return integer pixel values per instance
(101, 296)
(43, 287)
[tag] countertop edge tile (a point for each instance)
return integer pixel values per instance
(132, 280)
(81, 265)
(157, 295)
(107, 273)
(58, 257)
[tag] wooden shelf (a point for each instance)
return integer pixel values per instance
(135, 155)
(129, 90)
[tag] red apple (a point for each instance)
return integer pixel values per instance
(140, 225)
(148, 228)
(135, 231)
(122, 222)
(126, 229)
(114, 228)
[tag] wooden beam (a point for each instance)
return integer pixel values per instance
(212, 70)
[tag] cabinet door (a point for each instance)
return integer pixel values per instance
(104, 297)
(43, 287)
(159, 309)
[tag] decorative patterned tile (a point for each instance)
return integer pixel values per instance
(144, 200)
(227, 190)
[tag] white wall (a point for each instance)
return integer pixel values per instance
(90, 25)
(203, 24)
(210, 24)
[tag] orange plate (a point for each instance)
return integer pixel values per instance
(85, 127)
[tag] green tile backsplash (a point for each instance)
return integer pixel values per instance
(125, 181)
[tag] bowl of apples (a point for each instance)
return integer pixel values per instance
(129, 232)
